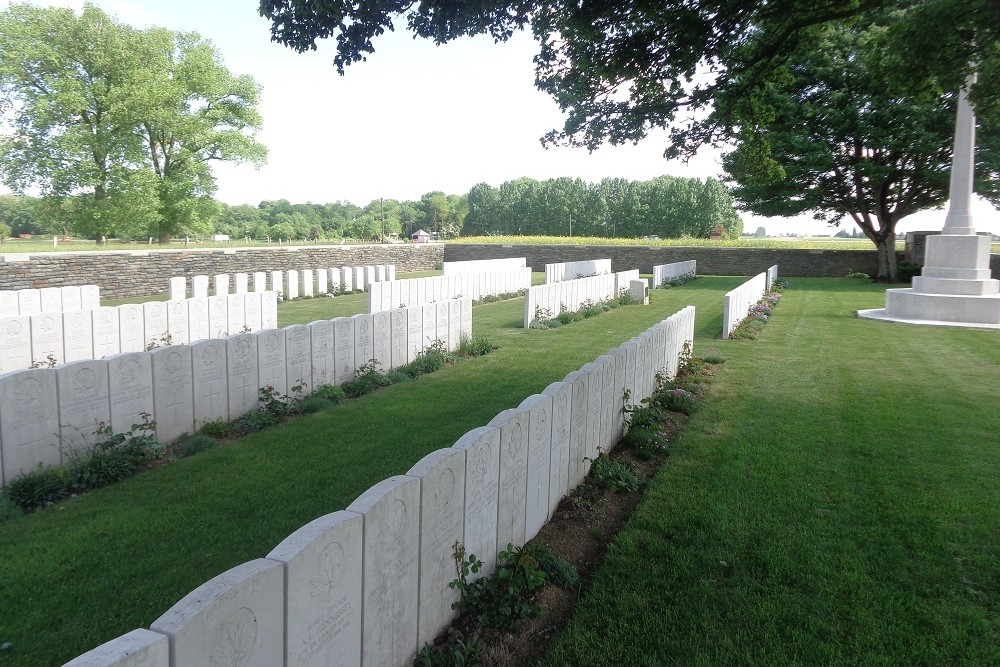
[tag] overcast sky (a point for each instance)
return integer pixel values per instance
(412, 119)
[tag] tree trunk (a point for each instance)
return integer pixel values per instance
(885, 245)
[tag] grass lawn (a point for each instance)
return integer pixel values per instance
(832, 502)
(835, 501)
(82, 572)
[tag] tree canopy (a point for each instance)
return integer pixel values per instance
(619, 69)
(121, 121)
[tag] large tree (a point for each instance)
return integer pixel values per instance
(842, 133)
(697, 69)
(122, 120)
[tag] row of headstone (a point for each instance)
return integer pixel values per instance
(287, 284)
(572, 270)
(548, 300)
(49, 300)
(420, 291)
(664, 272)
(368, 585)
(77, 335)
(46, 411)
(483, 265)
(738, 301)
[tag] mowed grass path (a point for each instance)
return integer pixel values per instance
(80, 573)
(836, 501)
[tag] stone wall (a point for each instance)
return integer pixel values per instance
(712, 261)
(140, 273)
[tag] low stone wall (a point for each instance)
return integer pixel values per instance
(711, 261)
(138, 273)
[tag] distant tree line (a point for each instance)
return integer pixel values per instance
(274, 219)
(666, 206)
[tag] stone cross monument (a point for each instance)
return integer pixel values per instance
(954, 288)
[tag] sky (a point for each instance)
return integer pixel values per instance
(415, 118)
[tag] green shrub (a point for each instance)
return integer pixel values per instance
(253, 421)
(456, 651)
(313, 404)
(97, 467)
(8, 509)
(428, 361)
(613, 474)
(557, 570)
(217, 429)
(475, 347)
(857, 275)
(195, 444)
(278, 405)
(906, 270)
(503, 599)
(367, 379)
(646, 441)
(714, 359)
(397, 376)
(331, 393)
(565, 317)
(676, 399)
(37, 488)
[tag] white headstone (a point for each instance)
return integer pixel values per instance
(131, 328)
(610, 401)
(47, 338)
(8, 303)
(78, 335)
(390, 272)
(269, 310)
(539, 410)
(369, 275)
(343, 352)
(15, 344)
(595, 408)
(211, 381)
(271, 360)
(177, 322)
(399, 330)
(442, 313)
(562, 412)
(139, 648)
(442, 520)
(178, 288)
(130, 387)
(173, 392)
(390, 578)
(259, 281)
(577, 447)
(253, 311)
(621, 382)
(334, 280)
(454, 323)
(380, 273)
(465, 326)
(321, 281)
(382, 340)
(277, 283)
(359, 279)
(323, 369)
(396, 299)
(424, 295)
(374, 298)
(198, 322)
(50, 299)
(385, 297)
(29, 301)
(237, 618)
(199, 286)
(218, 316)
(29, 423)
(154, 315)
(241, 355)
(482, 487)
(106, 332)
(364, 339)
(513, 498)
(411, 296)
(414, 331)
(236, 316)
(71, 298)
(221, 284)
(241, 283)
(323, 591)
(292, 280)
(308, 283)
(84, 403)
(298, 360)
(346, 279)
(430, 325)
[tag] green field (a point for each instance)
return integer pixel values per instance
(834, 501)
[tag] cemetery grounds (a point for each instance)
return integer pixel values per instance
(833, 500)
